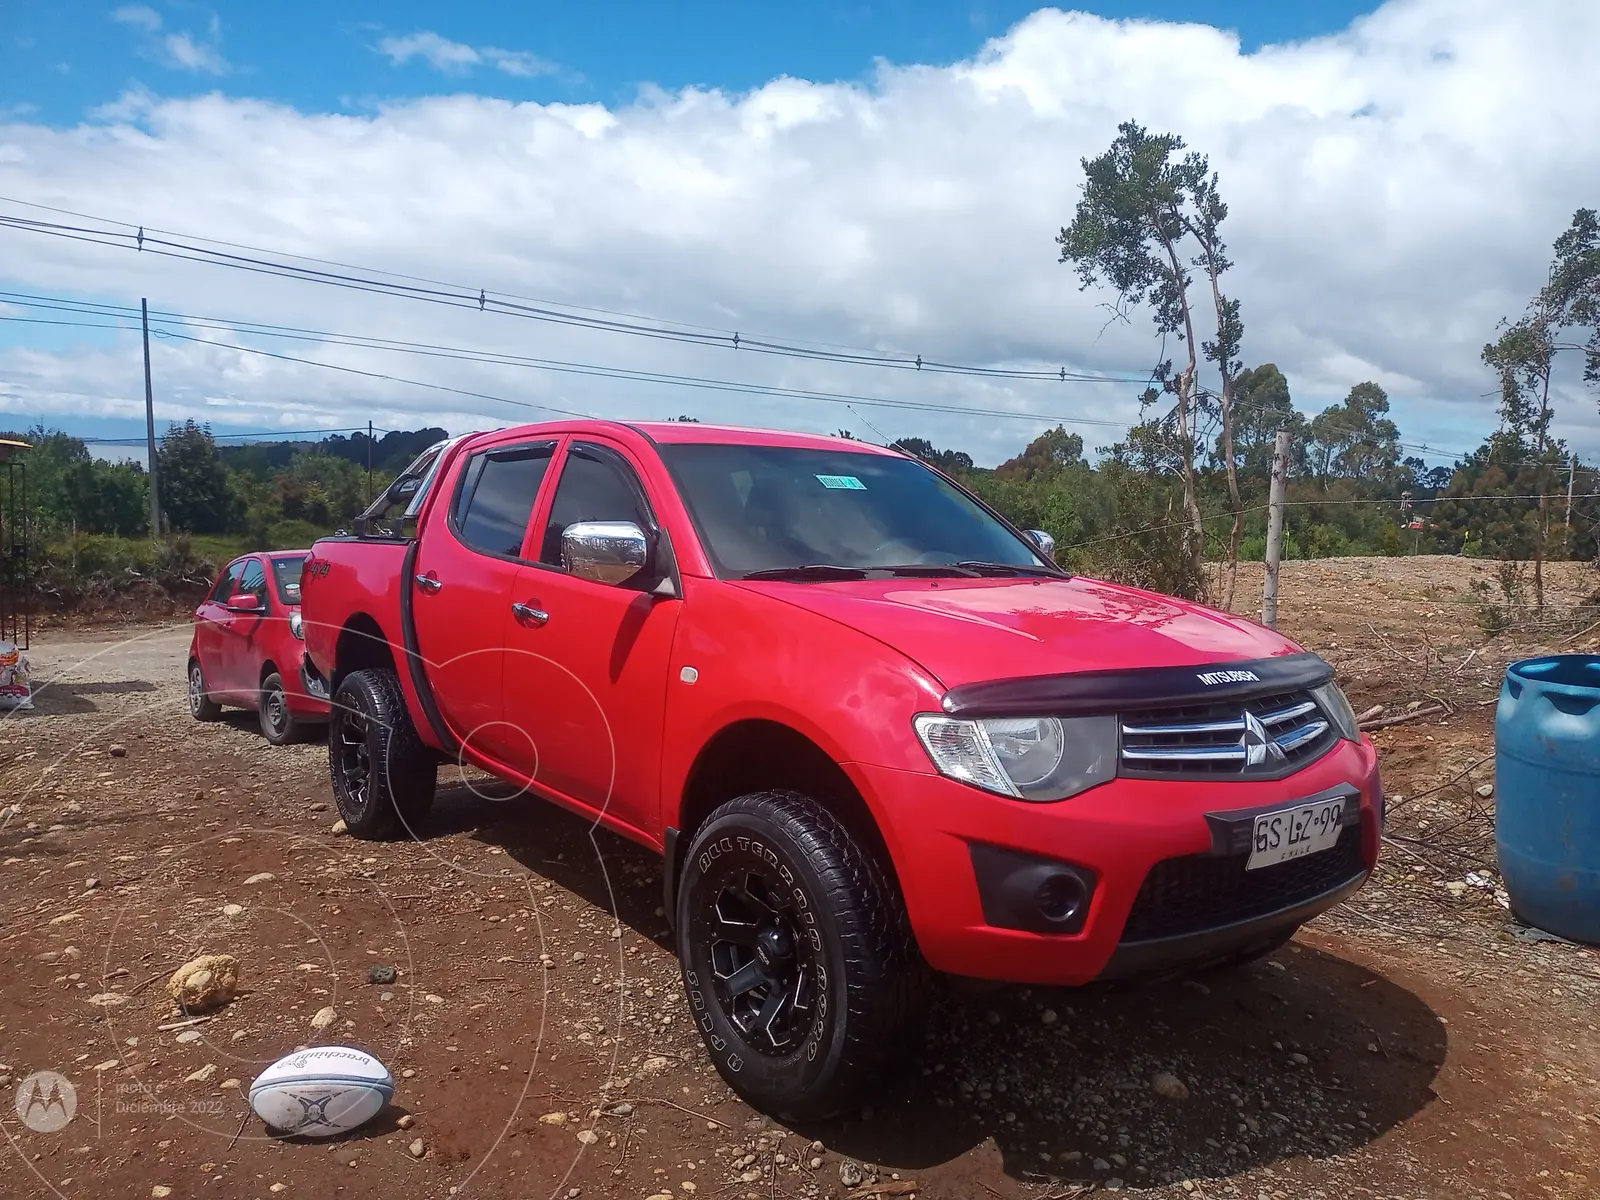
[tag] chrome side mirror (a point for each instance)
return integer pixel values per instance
(604, 551)
(1044, 541)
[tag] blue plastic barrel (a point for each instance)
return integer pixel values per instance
(1547, 785)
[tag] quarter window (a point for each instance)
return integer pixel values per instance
(496, 498)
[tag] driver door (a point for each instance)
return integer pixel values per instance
(586, 662)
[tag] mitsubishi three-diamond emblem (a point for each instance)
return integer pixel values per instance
(1259, 746)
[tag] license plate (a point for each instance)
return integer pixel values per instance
(1293, 833)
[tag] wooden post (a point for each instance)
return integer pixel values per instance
(1280, 473)
(1572, 469)
(150, 425)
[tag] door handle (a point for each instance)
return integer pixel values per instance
(527, 612)
(428, 583)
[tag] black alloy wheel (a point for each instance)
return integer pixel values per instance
(383, 776)
(765, 970)
(798, 962)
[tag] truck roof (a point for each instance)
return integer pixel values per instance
(678, 432)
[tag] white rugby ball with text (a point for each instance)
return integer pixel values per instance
(321, 1092)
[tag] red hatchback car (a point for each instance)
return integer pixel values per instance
(249, 647)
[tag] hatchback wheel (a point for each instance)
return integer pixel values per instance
(277, 722)
(201, 705)
(383, 776)
(797, 956)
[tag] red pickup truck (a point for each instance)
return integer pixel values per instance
(871, 727)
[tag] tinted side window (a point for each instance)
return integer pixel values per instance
(496, 498)
(225, 583)
(594, 486)
(254, 580)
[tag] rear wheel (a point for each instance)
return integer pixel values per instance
(383, 776)
(278, 725)
(798, 960)
(201, 705)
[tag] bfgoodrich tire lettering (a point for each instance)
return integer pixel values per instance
(383, 776)
(797, 956)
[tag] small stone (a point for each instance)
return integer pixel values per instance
(588, 1137)
(1485, 790)
(406, 1122)
(850, 1173)
(324, 1017)
(1048, 1016)
(159, 1190)
(202, 1075)
(815, 1163)
(381, 974)
(417, 1148)
(433, 999)
(553, 1118)
(1299, 1059)
(1100, 1164)
(232, 910)
(118, 750)
(204, 983)
(1168, 1086)
(654, 1065)
(230, 1085)
(188, 1036)
(107, 999)
(338, 829)
(90, 884)
(279, 1187)
(261, 877)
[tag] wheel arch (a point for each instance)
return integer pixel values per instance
(756, 754)
(362, 645)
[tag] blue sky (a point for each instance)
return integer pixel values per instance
(872, 175)
(60, 60)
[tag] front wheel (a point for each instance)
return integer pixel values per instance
(383, 776)
(797, 956)
(278, 725)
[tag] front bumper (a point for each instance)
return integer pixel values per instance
(1114, 837)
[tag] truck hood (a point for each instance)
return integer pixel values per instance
(969, 631)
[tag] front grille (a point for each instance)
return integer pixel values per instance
(1206, 891)
(1265, 737)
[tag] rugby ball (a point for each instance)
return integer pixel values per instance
(321, 1092)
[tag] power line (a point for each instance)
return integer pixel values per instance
(375, 280)
(430, 350)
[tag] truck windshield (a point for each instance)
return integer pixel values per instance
(815, 514)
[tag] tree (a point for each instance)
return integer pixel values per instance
(951, 462)
(1127, 230)
(1203, 217)
(1261, 396)
(1572, 295)
(1355, 440)
(1045, 456)
(194, 483)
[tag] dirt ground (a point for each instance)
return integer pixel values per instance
(1409, 1044)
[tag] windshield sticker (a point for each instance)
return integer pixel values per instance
(842, 483)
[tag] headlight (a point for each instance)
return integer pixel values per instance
(1031, 758)
(297, 626)
(1337, 709)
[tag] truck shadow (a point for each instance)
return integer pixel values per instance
(1306, 1054)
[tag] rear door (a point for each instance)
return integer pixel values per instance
(466, 568)
(586, 685)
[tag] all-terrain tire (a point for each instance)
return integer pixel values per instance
(278, 725)
(383, 776)
(201, 706)
(848, 920)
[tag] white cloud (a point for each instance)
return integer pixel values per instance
(139, 16)
(178, 51)
(183, 51)
(458, 58)
(1394, 191)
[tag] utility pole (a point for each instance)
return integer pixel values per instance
(150, 424)
(1572, 469)
(369, 462)
(1280, 475)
